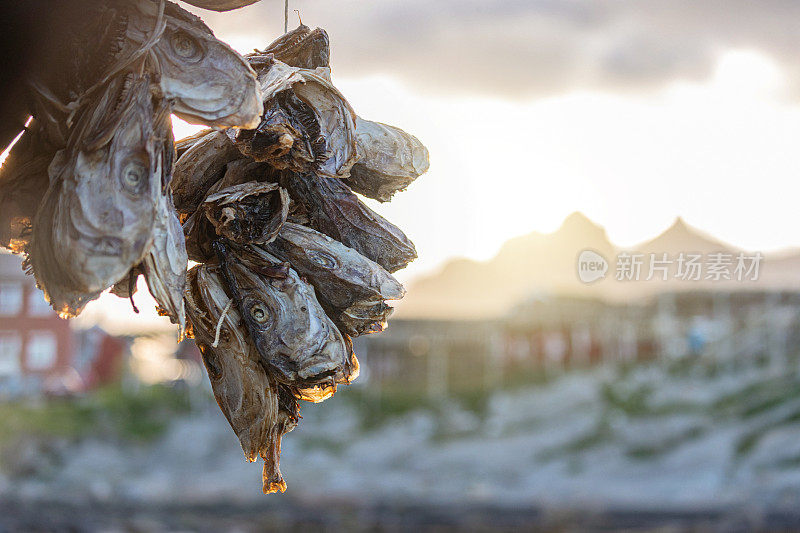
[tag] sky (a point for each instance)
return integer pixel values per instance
(631, 111)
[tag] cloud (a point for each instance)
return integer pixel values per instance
(528, 48)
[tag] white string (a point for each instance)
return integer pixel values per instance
(286, 16)
(219, 324)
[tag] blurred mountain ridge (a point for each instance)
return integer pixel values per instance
(546, 263)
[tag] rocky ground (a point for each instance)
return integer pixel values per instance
(668, 445)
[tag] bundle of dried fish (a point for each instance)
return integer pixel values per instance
(294, 263)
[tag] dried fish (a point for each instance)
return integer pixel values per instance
(259, 410)
(293, 335)
(288, 136)
(221, 5)
(199, 168)
(97, 219)
(117, 33)
(322, 391)
(199, 231)
(302, 47)
(227, 94)
(244, 170)
(351, 288)
(305, 115)
(338, 213)
(390, 160)
(164, 267)
(248, 213)
(187, 142)
(23, 182)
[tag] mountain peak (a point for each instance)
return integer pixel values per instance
(578, 227)
(682, 237)
(577, 220)
(680, 225)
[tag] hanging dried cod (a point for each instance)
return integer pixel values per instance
(259, 410)
(293, 264)
(97, 219)
(307, 124)
(389, 160)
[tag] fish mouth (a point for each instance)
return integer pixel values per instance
(318, 369)
(243, 110)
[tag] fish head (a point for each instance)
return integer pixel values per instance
(206, 81)
(287, 324)
(97, 219)
(251, 212)
(302, 47)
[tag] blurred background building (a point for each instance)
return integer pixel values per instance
(42, 353)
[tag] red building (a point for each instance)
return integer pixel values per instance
(33, 340)
(39, 350)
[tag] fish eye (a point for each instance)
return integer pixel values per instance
(322, 259)
(134, 176)
(258, 313)
(185, 46)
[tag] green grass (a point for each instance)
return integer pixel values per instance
(112, 412)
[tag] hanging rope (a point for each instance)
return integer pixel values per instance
(286, 16)
(219, 324)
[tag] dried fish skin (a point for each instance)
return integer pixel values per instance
(227, 93)
(334, 210)
(288, 418)
(23, 183)
(390, 160)
(248, 213)
(198, 229)
(245, 170)
(351, 288)
(221, 5)
(240, 384)
(164, 267)
(97, 219)
(326, 110)
(296, 340)
(199, 234)
(302, 47)
(288, 136)
(259, 410)
(199, 168)
(181, 145)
